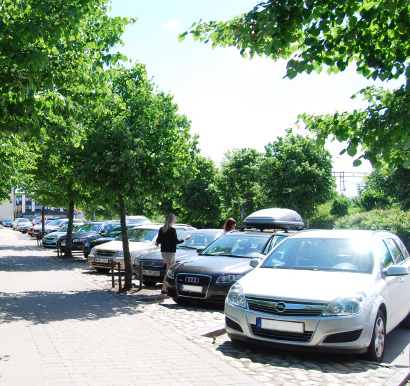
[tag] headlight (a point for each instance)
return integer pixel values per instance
(171, 272)
(346, 306)
(137, 262)
(92, 252)
(236, 297)
(119, 254)
(87, 244)
(228, 278)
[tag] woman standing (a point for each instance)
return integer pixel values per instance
(167, 237)
(229, 225)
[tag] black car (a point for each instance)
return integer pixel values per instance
(208, 276)
(86, 232)
(153, 265)
(98, 239)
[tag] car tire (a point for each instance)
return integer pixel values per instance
(377, 346)
(149, 282)
(103, 270)
(406, 322)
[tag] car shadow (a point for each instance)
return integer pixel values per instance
(47, 307)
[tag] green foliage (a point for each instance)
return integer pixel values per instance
(15, 161)
(239, 184)
(340, 206)
(198, 198)
(394, 220)
(395, 186)
(48, 51)
(373, 199)
(322, 34)
(296, 173)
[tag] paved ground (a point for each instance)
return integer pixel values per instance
(60, 324)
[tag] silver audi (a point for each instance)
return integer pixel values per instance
(335, 290)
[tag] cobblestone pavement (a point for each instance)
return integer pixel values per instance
(205, 326)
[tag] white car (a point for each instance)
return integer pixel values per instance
(141, 239)
(334, 290)
(21, 224)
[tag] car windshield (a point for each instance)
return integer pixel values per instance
(237, 245)
(89, 228)
(321, 254)
(197, 240)
(24, 220)
(55, 222)
(142, 235)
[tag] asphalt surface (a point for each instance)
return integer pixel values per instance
(61, 323)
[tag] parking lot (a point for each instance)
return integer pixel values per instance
(205, 327)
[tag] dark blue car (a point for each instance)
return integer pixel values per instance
(7, 222)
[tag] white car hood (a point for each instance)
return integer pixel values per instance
(292, 284)
(117, 246)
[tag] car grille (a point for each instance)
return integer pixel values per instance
(282, 335)
(199, 283)
(106, 253)
(153, 263)
(285, 308)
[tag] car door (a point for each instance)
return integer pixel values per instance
(400, 285)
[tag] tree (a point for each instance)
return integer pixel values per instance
(317, 34)
(388, 187)
(138, 146)
(15, 161)
(239, 183)
(198, 198)
(296, 173)
(48, 51)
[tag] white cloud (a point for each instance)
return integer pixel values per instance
(172, 25)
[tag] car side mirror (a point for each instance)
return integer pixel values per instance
(255, 263)
(396, 270)
(199, 250)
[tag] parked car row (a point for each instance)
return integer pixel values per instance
(281, 285)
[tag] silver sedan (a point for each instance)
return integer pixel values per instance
(326, 290)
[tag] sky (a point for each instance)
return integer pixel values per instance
(233, 102)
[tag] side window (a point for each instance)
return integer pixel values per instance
(402, 248)
(394, 249)
(275, 240)
(383, 254)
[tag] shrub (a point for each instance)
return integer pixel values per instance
(340, 207)
(394, 220)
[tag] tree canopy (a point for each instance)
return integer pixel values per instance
(296, 173)
(48, 49)
(317, 34)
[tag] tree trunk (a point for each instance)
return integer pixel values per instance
(67, 252)
(125, 247)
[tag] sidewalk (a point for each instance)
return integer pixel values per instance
(58, 328)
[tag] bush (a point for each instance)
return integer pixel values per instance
(394, 220)
(372, 199)
(340, 207)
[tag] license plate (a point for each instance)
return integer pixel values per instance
(148, 272)
(191, 288)
(97, 260)
(280, 325)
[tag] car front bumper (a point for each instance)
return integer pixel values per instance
(338, 333)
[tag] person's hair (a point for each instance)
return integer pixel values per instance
(169, 221)
(230, 222)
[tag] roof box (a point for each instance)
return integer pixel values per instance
(274, 218)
